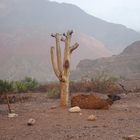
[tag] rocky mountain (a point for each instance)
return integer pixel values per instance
(25, 28)
(126, 65)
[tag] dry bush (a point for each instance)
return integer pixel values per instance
(80, 86)
(52, 90)
(102, 84)
(13, 98)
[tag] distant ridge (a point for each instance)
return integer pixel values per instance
(126, 65)
(56, 17)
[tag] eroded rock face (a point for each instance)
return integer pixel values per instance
(90, 102)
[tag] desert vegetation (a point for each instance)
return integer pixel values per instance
(21, 86)
(10, 87)
(100, 84)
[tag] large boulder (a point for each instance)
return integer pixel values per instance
(90, 102)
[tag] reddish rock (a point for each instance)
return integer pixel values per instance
(90, 102)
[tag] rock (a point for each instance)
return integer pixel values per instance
(53, 107)
(130, 137)
(80, 114)
(75, 109)
(114, 97)
(92, 118)
(90, 102)
(31, 122)
(12, 115)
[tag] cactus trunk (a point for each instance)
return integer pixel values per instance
(64, 90)
(63, 71)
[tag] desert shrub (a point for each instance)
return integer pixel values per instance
(53, 90)
(6, 86)
(54, 93)
(80, 86)
(105, 84)
(20, 87)
(28, 84)
(42, 88)
(100, 83)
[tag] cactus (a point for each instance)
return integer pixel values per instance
(62, 68)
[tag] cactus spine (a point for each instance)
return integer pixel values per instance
(62, 69)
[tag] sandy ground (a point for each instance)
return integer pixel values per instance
(122, 119)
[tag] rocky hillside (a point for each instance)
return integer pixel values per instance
(132, 50)
(126, 65)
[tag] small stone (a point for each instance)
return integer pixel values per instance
(13, 111)
(31, 122)
(92, 118)
(75, 109)
(12, 115)
(130, 137)
(53, 107)
(80, 114)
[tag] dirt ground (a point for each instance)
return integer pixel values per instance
(122, 119)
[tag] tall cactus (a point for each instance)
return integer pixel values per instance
(62, 69)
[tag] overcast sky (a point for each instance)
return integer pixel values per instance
(125, 12)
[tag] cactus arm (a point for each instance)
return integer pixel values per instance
(67, 41)
(75, 46)
(57, 73)
(58, 53)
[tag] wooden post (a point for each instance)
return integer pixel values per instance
(8, 104)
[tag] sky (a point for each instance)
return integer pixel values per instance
(126, 12)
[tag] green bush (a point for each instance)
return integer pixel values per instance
(5, 86)
(20, 87)
(54, 93)
(28, 84)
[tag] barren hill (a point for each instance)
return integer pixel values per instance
(125, 65)
(31, 56)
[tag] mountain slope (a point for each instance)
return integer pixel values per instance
(29, 55)
(126, 65)
(52, 16)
